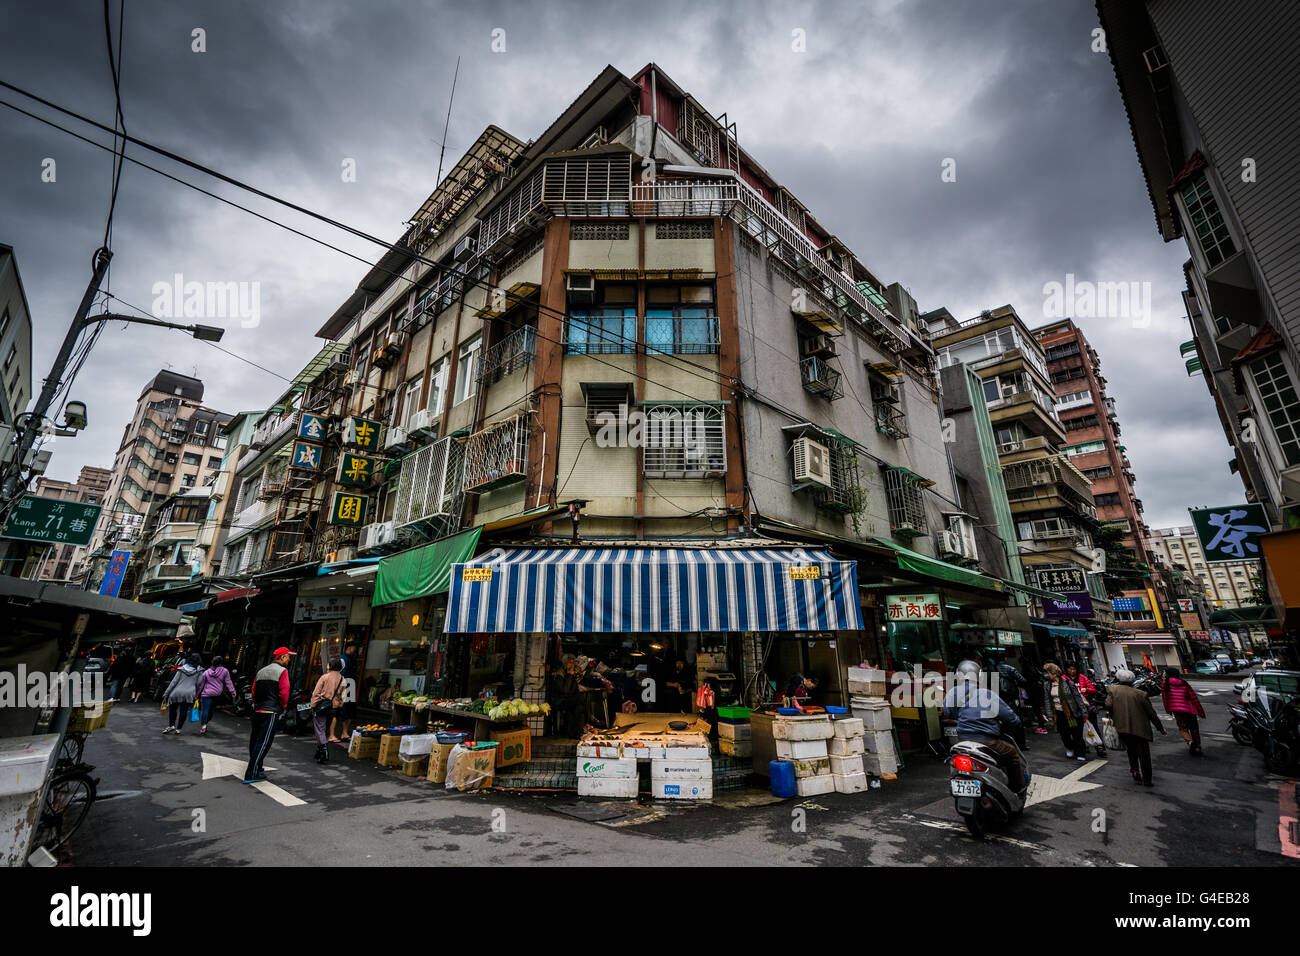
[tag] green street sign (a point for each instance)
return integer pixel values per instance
(1230, 533)
(52, 521)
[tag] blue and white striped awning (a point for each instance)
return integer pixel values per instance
(623, 590)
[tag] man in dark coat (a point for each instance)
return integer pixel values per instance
(1134, 717)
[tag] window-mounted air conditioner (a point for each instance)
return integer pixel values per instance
(464, 248)
(822, 345)
(812, 462)
(581, 288)
(423, 424)
(396, 438)
(887, 392)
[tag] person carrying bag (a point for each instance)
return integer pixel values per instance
(326, 697)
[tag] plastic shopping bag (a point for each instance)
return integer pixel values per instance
(1109, 734)
(194, 713)
(1091, 737)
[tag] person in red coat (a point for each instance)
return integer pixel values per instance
(1181, 701)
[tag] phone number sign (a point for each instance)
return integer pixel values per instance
(52, 521)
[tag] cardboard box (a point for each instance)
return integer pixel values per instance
(613, 787)
(416, 767)
(848, 727)
(733, 731)
(850, 783)
(812, 767)
(846, 766)
(675, 789)
(363, 748)
(800, 749)
(878, 742)
(438, 756)
(681, 769)
(880, 764)
(474, 769)
(802, 728)
(736, 748)
(845, 746)
(606, 767)
(389, 750)
(812, 786)
(515, 746)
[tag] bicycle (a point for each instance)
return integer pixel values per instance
(72, 748)
(67, 802)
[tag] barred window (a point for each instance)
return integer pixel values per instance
(1207, 221)
(599, 230)
(903, 492)
(684, 229)
(684, 441)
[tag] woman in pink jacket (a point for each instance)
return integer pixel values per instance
(211, 684)
(1181, 701)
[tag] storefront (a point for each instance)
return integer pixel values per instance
(1152, 651)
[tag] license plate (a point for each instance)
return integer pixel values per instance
(950, 732)
(304, 708)
(961, 787)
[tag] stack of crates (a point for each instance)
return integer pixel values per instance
(880, 759)
(802, 741)
(734, 732)
(846, 749)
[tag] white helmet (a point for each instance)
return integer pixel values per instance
(968, 670)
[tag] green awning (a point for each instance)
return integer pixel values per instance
(422, 571)
(1244, 615)
(921, 564)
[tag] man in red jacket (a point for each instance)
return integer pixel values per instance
(1181, 701)
(270, 698)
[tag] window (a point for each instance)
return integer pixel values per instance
(438, 385)
(1106, 471)
(1087, 448)
(4, 323)
(600, 230)
(201, 428)
(903, 491)
(1083, 397)
(1067, 374)
(684, 229)
(410, 401)
(1207, 221)
(9, 359)
(214, 461)
(1281, 404)
(684, 441)
(1062, 351)
(190, 458)
(1106, 500)
(467, 370)
(1078, 424)
(681, 320)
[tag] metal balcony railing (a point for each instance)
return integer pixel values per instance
(890, 421)
(820, 379)
(510, 355)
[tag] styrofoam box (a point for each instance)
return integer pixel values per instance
(601, 750)
(876, 764)
(415, 745)
(875, 717)
(845, 746)
(680, 753)
(878, 742)
(812, 767)
(787, 728)
(847, 727)
(850, 782)
(736, 748)
(683, 769)
(812, 786)
(679, 789)
(608, 786)
(847, 765)
(606, 767)
(799, 749)
(734, 731)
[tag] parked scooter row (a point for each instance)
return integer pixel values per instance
(1271, 724)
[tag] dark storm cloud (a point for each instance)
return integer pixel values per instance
(856, 125)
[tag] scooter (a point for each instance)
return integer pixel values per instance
(983, 785)
(243, 703)
(1241, 725)
(296, 719)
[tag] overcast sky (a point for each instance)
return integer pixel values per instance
(858, 124)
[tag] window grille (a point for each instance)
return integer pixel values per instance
(497, 455)
(699, 131)
(846, 494)
(599, 230)
(684, 442)
(686, 229)
(906, 502)
(607, 404)
(820, 378)
(429, 484)
(601, 332)
(688, 332)
(510, 355)
(891, 421)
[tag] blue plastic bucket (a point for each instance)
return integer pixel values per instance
(782, 774)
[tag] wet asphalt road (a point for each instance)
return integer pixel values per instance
(1219, 810)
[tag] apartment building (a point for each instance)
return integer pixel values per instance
(15, 349)
(1203, 84)
(624, 374)
(1050, 499)
(65, 564)
(173, 444)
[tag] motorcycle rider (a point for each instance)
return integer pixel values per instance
(1010, 683)
(980, 714)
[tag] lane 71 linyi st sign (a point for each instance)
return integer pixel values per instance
(52, 521)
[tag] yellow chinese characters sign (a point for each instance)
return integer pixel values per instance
(348, 509)
(355, 470)
(805, 572)
(362, 432)
(475, 574)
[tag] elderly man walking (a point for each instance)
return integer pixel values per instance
(1134, 717)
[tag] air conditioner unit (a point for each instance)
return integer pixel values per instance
(812, 462)
(822, 345)
(464, 248)
(949, 543)
(376, 535)
(353, 377)
(396, 438)
(423, 424)
(581, 288)
(886, 392)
